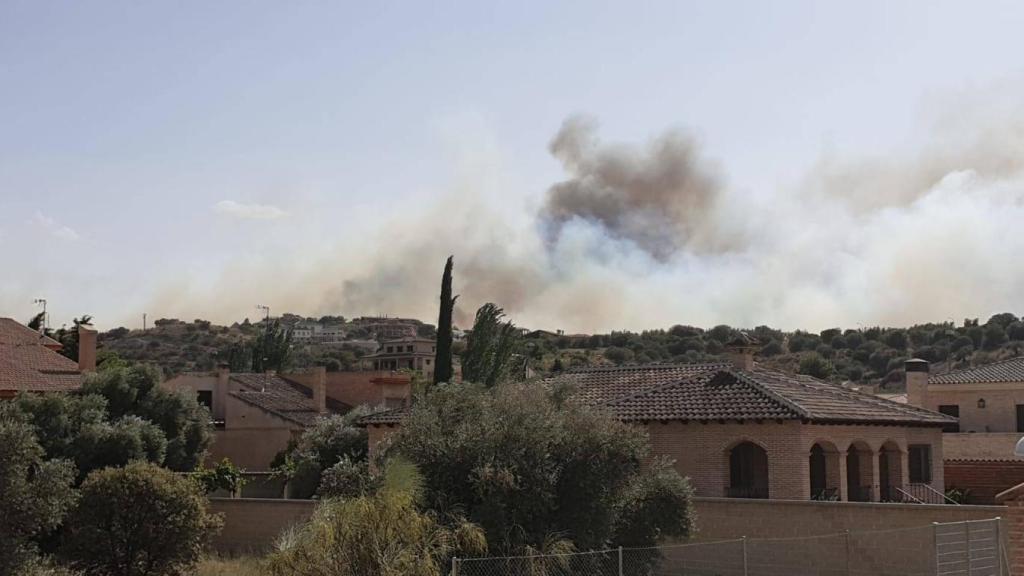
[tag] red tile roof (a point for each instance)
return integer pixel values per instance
(27, 364)
(1011, 370)
(709, 392)
(281, 397)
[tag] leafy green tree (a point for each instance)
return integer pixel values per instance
(140, 520)
(384, 533)
(224, 476)
(525, 464)
(273, 349)
(1015, 331)
(994, 336)
(35, 492)
(813, 364)
(491, 347)
(136, 391)
(443, 348)
(77, 428)
(618, 356)
(327, 442)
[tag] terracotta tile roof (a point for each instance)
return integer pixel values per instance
(281, 397)
(709, 392)
(394, 416)
(1011, 370)
(26, 364)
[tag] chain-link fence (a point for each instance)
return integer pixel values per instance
(958, 549)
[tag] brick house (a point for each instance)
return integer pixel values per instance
(256, 415)
(31, 362)
(988, 402)
(740, 430)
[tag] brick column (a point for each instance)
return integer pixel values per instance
(873, 474)
(844, 488)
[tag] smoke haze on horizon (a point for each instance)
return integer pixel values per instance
(624, 252)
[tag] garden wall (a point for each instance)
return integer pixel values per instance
(251, 525)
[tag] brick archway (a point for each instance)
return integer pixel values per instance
(748, 471)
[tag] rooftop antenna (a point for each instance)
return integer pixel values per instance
(44, 326)
(263, 349)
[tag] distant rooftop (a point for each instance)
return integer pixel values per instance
(1011, 370)
(29, 361)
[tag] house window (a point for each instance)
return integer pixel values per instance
(920, 457)
(391, 349)
(1020, 417)
(408, 348)
(205, 397)
(954, 411)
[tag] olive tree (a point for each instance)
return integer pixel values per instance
(139, 520)
(525, 462)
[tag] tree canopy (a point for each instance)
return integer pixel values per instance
(491, 348)
(525, 464)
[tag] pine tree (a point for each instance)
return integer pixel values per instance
(443, 354)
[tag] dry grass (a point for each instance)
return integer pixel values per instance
(230, 567)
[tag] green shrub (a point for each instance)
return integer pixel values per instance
(35, 493)
(140, 520)
(382, 534)
(224, 476)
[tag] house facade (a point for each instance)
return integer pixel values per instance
(415, 354)
(739, 430)
(988, 402)
(31, 361)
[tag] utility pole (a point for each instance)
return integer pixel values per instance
(266, 339)
(143, 321)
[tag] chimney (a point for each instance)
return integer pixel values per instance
(740, 351)
(320, 389)
(395, 389)
(220, 392)
(916, 371)
(86, 348)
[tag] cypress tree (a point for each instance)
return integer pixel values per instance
(443, 353)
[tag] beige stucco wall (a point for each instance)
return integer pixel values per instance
(964, 446)
(701, 452)
(999, 413)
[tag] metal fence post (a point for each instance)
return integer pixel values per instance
(999, 545)
(455, 566)
(744, 556)
(620, 561)
(847, 553)
(935, 544)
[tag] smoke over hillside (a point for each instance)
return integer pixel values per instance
(649, 235)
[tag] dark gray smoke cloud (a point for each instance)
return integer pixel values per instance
(662, 197)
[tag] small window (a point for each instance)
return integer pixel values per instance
(205, 397)
(408, 348)
(428, 361)
(1020, 417)
(954, 411)
(920, 457)
(391, 349)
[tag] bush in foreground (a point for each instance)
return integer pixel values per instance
(34, 493)
(384, 534)
(140, 520)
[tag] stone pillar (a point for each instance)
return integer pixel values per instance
(875, 480)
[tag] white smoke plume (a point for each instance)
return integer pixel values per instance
(648, 236)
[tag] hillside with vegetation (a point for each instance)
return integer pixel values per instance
(871, 356)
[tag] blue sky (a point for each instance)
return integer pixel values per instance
(195, 159)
